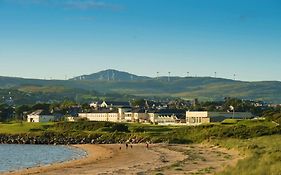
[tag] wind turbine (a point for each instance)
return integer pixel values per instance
(113, 75)
(187, 74)
(169, 76)
(108, 76)
(215, 74)
(234, 76)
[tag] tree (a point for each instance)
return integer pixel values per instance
(21, 111)
(6, 112)
(43, 106)
(139, 103)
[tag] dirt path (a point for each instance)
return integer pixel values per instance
(200, 159)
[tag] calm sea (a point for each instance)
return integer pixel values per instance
(15, 157)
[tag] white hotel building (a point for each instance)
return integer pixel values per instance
(201, 117)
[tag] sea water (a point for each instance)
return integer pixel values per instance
(16, 157)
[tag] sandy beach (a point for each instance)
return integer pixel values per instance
(159, 158)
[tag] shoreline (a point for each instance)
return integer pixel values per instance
(168, 159)
(92, 154)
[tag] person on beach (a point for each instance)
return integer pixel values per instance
(127, 145)
(147, 145)
(131, 146)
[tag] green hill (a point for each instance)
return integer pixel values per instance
(204, 88)
(111, 74)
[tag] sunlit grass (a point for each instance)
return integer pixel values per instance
(263, 155)
(22, 127)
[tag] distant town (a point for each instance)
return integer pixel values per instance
(128, 98)
(174, 112)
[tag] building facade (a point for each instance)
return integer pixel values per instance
(128, 115)
(38, 116)
(202, 117)
(122, 115)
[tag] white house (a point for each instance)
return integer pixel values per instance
(38, 116)
(94, 104)
(163, 119)
(201, 117)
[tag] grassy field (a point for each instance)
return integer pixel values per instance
(178, 134)
(258, 141)
(42, 89)
(263, 155)
(249, 123)
(23, 127)
(149, 129)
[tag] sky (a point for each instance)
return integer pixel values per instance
(61, 39)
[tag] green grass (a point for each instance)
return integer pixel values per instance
(149, 128)
(263, 155)
(249, 123)
(230, 121)
(23, 127)
(43, 89)
(253, 139)
(172, 134)
(252, 123)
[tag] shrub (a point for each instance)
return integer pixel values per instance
(116, 127)
(138, 129)
(179, 141)
(83, 125)
(120, 127)
(35, 129)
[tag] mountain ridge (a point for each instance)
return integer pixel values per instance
(205, 88)
(108, 77)
(111, 74)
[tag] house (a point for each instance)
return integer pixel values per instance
(96, 104)
(40, 116)
(155, 105)
(201, 117)
(162, 119)
(109, 104)
(166, 119)
(114, 104)
(166, 116)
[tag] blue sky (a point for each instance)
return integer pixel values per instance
(58, 38)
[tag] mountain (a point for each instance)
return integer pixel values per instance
(117, 82)
(111, 74)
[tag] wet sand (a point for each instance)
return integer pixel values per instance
(159, 158)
